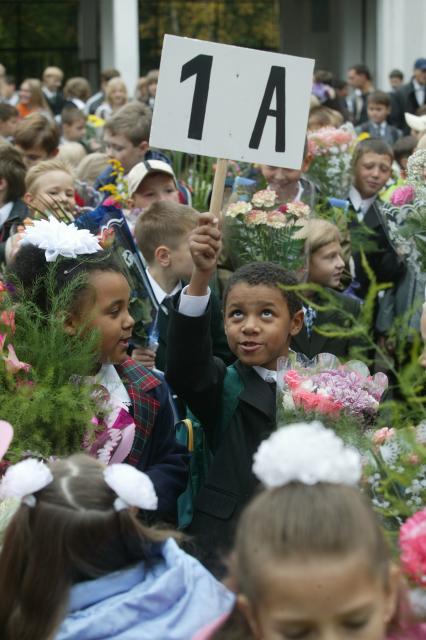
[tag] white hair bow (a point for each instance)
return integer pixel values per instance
(60, 239)
(24, 479)
(307, 453)
(132, 487)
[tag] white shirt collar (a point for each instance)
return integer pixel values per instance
(159, 293)
(4, 212)
(360, 205)
(268, 375)
(109, 378)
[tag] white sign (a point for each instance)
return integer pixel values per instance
(230, 102)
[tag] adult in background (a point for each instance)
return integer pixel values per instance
(409, 97)
(359, 78)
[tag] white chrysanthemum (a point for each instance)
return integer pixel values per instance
(264, 198)
(307, 453)
(133, 488)
(238, 208)
(24, 479)
(60, 239)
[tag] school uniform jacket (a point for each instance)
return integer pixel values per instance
(391, 135)
(383, 259)
(220, 344)
(155, 449)
(318, 343)
(197, 377)
(403, 101)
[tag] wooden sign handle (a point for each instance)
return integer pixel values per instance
(218, 187)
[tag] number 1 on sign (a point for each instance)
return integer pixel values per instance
(201, 67)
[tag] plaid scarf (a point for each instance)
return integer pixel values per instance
(139, 382)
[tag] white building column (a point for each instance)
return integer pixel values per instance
(401, 37)
(120, 39)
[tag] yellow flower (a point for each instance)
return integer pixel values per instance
(363, 136)
(95, 121)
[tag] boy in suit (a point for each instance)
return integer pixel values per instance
(161, 233)
(371, 168)
(325, 268)
(378, 110)
(260, 319)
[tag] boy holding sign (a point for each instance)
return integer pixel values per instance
(260, 320)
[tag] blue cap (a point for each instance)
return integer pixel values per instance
(420, 63)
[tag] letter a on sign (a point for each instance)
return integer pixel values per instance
(232, 102)
(275, 85)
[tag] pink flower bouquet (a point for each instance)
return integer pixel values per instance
(324, 386)
(331, 149)
(114, 429)
(261, 230)
(412, 542)
(403, 195)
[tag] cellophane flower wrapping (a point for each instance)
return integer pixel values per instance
(322, 387)
(405, 215)
(395, 472)
(331, 150)
(260, 230)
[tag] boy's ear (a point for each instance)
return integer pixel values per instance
(297, 322)
(143, 146)
(3, 184)
(28, 198)
(71, 324)
(162, 255)
(246, 609)
(54, 153)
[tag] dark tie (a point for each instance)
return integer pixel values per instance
(272, 385)
(167, 304)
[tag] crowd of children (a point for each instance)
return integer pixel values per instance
(186, 336)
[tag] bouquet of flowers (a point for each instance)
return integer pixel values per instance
(50, 412)
(324, 387)
(406, 213)
(259, 231)
(395, 471)
(112, 438)
(94, 132)
(119, 189)
(53, 411)
(331, 149)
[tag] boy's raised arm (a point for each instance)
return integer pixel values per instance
(192, 371)
(205, 245)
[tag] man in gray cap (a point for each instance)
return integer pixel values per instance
(409, 97)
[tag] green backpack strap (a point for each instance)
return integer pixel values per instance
(232, 387)
(190, 433)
